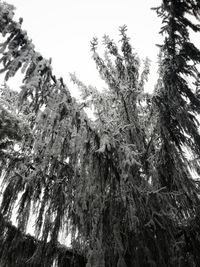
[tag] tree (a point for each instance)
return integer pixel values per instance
(121, 184)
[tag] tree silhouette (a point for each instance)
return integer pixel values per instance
(122, 184)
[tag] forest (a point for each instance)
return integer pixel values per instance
(125, 185)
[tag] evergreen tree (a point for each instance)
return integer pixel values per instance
(121, 184)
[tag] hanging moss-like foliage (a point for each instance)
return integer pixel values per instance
(121, 184)
(18, 249)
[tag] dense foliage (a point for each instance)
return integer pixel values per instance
(122, 184)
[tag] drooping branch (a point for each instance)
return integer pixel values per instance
(18, 249)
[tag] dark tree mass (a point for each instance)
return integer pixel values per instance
(124, 185)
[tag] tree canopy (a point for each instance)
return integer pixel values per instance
(124, 185)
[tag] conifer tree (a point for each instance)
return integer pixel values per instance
(121, 184)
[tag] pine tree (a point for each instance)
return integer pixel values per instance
(122, 184)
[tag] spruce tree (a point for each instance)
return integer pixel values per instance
(9, 124)
(122, 184)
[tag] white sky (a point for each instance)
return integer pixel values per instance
(63, 30)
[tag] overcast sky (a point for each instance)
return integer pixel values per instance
(63, 30)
